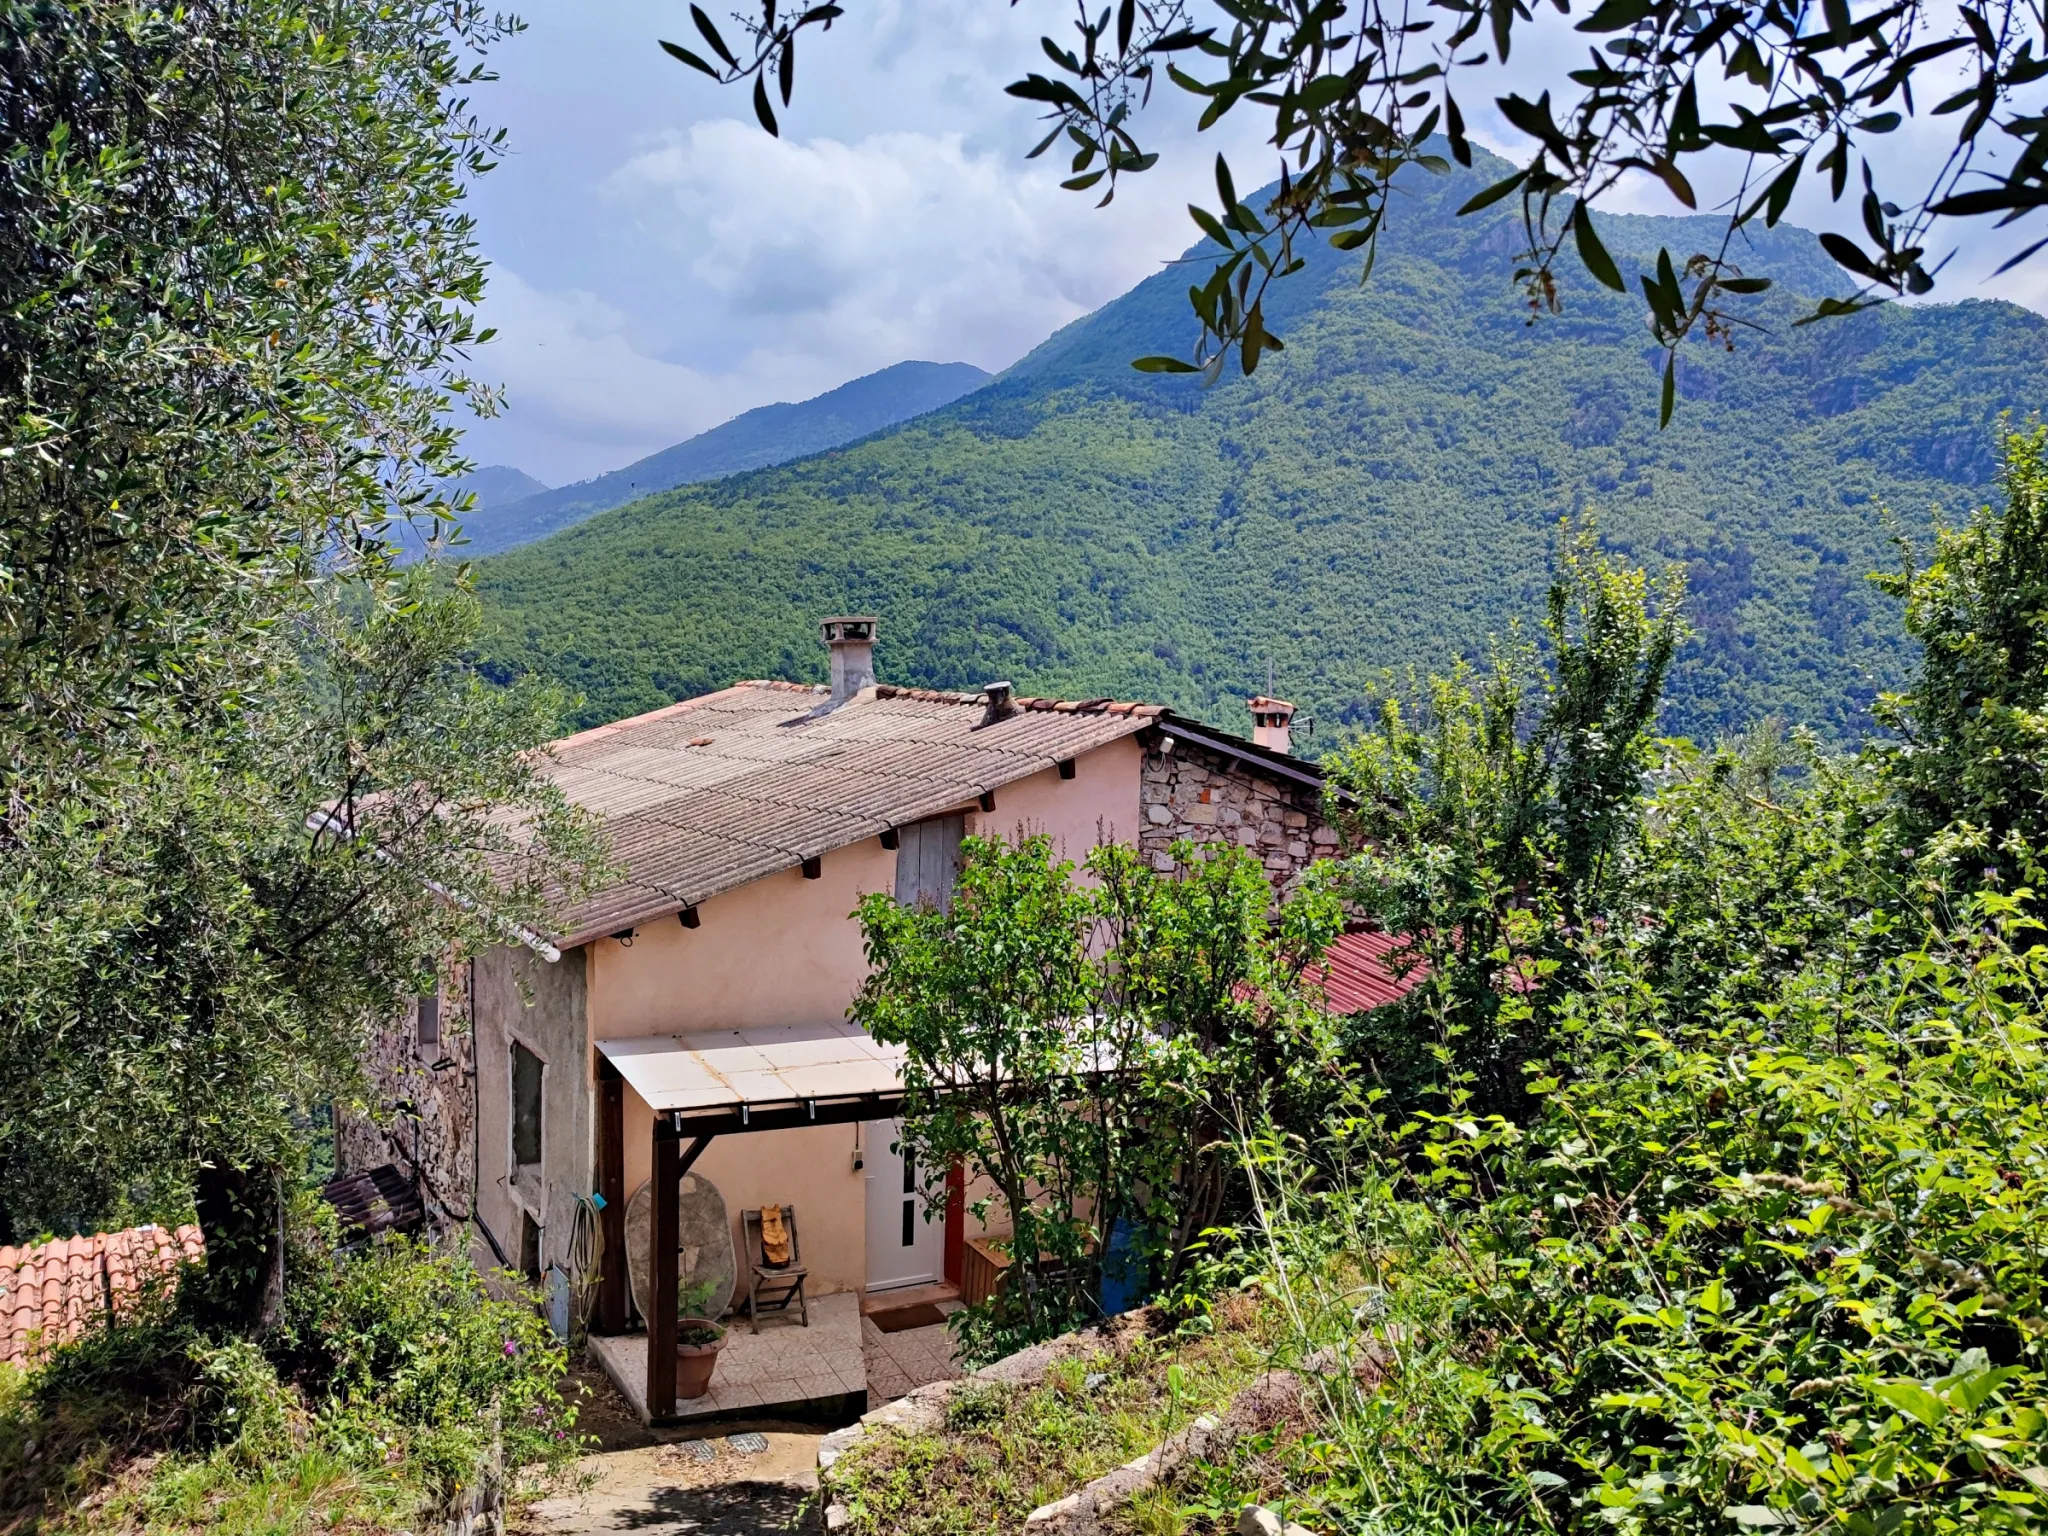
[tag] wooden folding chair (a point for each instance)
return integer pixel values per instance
(775, 1283)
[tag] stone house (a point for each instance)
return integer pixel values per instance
(527, 1097)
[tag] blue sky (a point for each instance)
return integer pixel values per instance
(659, 264)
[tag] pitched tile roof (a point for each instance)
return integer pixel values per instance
(717, 791)
(52, 1292)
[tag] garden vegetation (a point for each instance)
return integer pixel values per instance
(395, 1392)
(1699, 1183)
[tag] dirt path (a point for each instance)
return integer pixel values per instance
(661, 1488)
(662, 1481)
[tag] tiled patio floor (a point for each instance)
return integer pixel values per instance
(898, 1362)
(785, 1367)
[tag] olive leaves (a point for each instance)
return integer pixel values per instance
(1357, 91)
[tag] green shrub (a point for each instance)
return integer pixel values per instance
(381, 1397)
(399, 1344)
(1765, 1270)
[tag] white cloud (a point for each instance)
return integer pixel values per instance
(664, 265)
(791, 267)
(898, 245)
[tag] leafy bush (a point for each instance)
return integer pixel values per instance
(1080, 1046)
(1731, 1272)
(383, 1396)
(1752, 1236)
(402, 1345)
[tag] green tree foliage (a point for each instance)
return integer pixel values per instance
(1381, 495)
(1768, 1268)
(235, 283)
(1738, 878)
(993, 999)
(1971, 767)
(1079, 1046)
(1768, 92)
(197, 948)
(1497, 812)
(1757, 1245)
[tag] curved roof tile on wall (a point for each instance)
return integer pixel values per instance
(52, 1292)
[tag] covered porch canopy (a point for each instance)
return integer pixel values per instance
(718, 1083)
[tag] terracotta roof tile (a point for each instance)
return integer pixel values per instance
(52, 1292)
(711, 793)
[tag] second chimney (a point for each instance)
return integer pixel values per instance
(1271, 723)
(851, 640)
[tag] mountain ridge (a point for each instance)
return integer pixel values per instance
(755, 439)
(1386, 492)
(497, 485)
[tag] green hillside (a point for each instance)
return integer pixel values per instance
(1384, 492)
(768, 434)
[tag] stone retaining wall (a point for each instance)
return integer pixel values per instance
(419, 1118)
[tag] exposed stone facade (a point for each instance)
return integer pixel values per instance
(442, 1111)
(1193, 792)
(421, 1111)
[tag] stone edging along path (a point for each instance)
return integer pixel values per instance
(1265, 1401)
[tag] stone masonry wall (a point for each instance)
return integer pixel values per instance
(419, 1118)
(1195, 793)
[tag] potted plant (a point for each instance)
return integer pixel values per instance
(698, 1341)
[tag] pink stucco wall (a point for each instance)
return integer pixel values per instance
(785, 950)
(1100, 803)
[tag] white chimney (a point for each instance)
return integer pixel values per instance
(1271, 723)
(851, 640)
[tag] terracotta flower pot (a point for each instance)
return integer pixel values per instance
(694, 1362)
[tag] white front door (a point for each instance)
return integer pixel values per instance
(903, 1248)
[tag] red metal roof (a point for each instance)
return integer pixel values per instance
(1359, 972)
(51, 1292)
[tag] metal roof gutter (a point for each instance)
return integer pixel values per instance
(1286, 767)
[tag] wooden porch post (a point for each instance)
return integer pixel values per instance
(661, 1285)
(956, 1222)
(611, 1184)
(671, 1162)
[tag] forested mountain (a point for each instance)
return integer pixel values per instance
(1386, 491)
(498, 485)
(769, 434)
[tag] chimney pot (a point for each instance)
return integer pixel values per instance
(850, 638)
(1272, 723)
(1000, 705)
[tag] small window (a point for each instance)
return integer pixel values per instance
(909, 1200)
(526, 1076)
(428, 1018)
